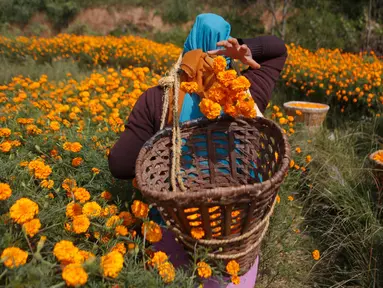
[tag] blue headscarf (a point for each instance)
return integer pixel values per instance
(207, 30)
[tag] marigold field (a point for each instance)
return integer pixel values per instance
(64, 220)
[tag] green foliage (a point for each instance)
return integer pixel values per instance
(19, 11)
(61, 12)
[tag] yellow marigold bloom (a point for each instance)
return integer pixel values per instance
(23, 210)
(217, 93)
(225, 77)
(67, 253)
(69, 184)
(91, 209)
(86, 254)
(152, 231)
(246, 105)
(95, 170)
(120, 248)
(48, 184)
(292, 163)
(40, 170)
(106, 195)
(210, 109)
(33, 130)
(308, 158)
(316, 255)
(77, 161)
(290, 198)
(72, 146)
(290, 118)
(232, 267)
(73, 209)
(204, 270)
(127, 218)
(121, 230)
(32, 227)
(81, 194)
(14, 257)
(189, 87)
(80, 224)
(167, 272)
(24, 164)
(5, 147)
(5, 132)
(74, 275)
(5, 191)
(276, 108)
(111, 264)
(219, 64)
(298, 150)
(283, 121)
(197, 232)
(54, 125)
(140, 209)
(112, 221)
(158, 259)
(235, 279)
(240, 84)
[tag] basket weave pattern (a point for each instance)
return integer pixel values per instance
(232, 169)
(312, 117)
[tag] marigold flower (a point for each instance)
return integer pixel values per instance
(91, 209)
(290, 198)
(32, 227)
(218, 94)
(5, 191)
(111, 264)
(204, 270)
(120, 248)
(308, 158)
(5, 147)
(86, 254)
(48, 184)
(73, 209)
(219, 64)
(121, 230)
(235, 279)
(232, 267)
(158, 259)
(278, 199)
(152, 231)
(189, 87)
(40, 170)
(74, 275)
(23, 210)
(197, 232)
(167, 272)
(69, 184)
(109, 210)
(67, 253)
(225, 77)
(210, 109)
(112, 221)
(80, 224)
(106, 195)
(5, 132)
(14, 257)
(72, 146)
(240, 84)
(127, 218)
(95, 170)
(81, 194)
(316, 255)
(54, 125)
(77, 161)
(298, 150)
(283, 121)
(140, 209)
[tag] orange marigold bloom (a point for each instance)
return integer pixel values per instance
(5, 191)
(14, 257)
(109, 210)
(74, 275)
(225, 77)
(235, 279)
(48, 184)
(210, 109)
(232, 267)
(316, 255)
(167, 272)
(140, 209)
(290, 198)
(219, 64)
(240, 84)
(69, 184)
(67, 253)
(121, 230)
(218, 94)
(86, 254)
(54, 125)
(23, 210)
(292, 163)
(32, 227)
(106, 195)
(91, 209)
(278, 199)
(77, 161)
(189, 87)
(120, 247)
(298, 150)
(204, 270)
(72, 146)
(158, 259)
(95, 170)
(5, 132)
(5, 146)
(127, 218)
(81, 194)
(308, 158)
(73, 209)
(197, 232)
(152, 231)
(112, 264)
(113, 221)
(40, 170)
(80, 224)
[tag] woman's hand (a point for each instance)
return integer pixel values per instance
(236, 51)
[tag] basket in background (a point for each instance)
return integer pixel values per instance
(310, 113)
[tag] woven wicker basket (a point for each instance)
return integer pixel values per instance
(232, 169)
(312, 117)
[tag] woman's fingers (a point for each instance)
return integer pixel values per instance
(253, 64)
(234, 42)
(224, 43)
(217, 52)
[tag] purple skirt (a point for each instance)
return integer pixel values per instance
(179, 257)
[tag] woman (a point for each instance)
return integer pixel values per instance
(265, 57)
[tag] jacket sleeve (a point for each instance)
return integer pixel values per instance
(139, 128)
(271, 53)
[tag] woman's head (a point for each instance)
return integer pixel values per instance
(207, 30)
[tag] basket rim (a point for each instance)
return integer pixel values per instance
(286, 105)
(220, 191)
